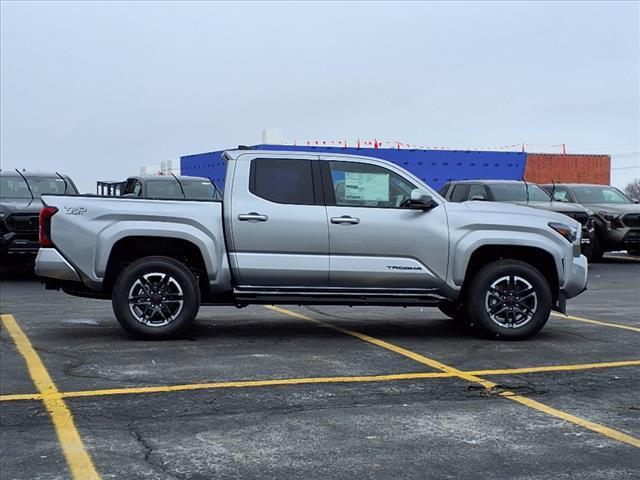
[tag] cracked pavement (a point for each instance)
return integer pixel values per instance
(405, 429)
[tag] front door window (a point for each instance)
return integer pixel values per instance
(365, 185)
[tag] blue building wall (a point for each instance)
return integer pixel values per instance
(434, 167)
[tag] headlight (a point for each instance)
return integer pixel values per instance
(568, 232)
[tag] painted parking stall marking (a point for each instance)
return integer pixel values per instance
(315, 380)
(595, 427)
(78, 460)
(80, 463)
(596, 322)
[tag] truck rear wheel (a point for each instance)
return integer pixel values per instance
(508, 299)
(156, 297)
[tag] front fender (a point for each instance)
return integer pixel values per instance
(470, 240)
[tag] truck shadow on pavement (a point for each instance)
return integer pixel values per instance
(207, 329)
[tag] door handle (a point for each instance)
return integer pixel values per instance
(345, 219)
(252, 217)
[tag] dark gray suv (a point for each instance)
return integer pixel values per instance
(20, 206)
(617, 217)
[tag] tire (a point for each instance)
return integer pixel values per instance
(588, 249)
(596, 250)
(166, 298)
(490, 289)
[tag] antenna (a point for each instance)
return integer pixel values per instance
(28, 186)
(65, 182)
(553, 190)
(179, 183)
(526, 188)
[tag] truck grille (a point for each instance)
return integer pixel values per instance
(582, 217)
(22, 222)
(631, 220)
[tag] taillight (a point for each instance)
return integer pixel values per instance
(45, 225)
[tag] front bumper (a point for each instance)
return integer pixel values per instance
(618, 236)
(51, 264)
(11, 244)
(575, 276)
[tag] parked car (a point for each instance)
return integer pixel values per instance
(301, 228)
(521, 193)
(170, 186)
(617, 216)
(20, 204)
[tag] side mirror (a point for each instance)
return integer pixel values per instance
(479, 198)
(421, 200)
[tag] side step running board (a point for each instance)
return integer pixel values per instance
(322, 298)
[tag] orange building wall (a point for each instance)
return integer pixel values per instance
(554, 167)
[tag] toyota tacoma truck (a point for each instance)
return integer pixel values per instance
(306, 229)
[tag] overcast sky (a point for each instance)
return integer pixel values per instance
(97, 90)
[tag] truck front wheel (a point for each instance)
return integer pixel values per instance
(508, 299)
(156, 297)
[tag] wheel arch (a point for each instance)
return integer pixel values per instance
(131, 248)
(539, 258)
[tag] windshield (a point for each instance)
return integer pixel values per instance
(15, 186)
(517, 192)
(199, 189)
(596, 194)
(193, 189)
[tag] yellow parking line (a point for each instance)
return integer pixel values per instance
(236, 384)
(596, 322)
(255, 383)
(596, 427)
(317, 380)
(394, 348)
(606, 431)
(77, 457)
(556, 368)
(21, 396)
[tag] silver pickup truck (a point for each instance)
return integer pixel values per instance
(298, 228)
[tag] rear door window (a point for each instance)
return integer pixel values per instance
(282, 180)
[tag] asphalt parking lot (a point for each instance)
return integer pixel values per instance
(329, 392)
